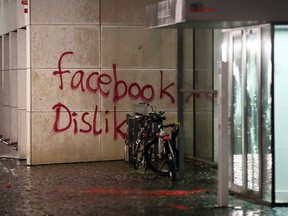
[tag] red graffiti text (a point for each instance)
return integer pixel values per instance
(88, 126)
(105, 83)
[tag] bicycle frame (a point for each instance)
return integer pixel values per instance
(160, 152)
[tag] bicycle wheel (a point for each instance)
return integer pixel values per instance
(157, 160)
(172, 168)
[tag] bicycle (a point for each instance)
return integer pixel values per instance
(161, 151)
(142, 138)
(143, 126)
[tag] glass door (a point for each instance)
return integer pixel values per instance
(252, 109)
(245, 76)
(237, 125)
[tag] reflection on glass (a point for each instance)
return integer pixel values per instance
(251, 112)
(252, 122)
(266, 103)
(237, 111)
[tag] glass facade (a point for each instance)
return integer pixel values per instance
(250, 111)
(237, 109)
(252, 108)
(258, 110)
(266, 113)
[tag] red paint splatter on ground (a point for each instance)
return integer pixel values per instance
(7, 186)
(199, 191)
(169, 192)
(144, 192)
(97, 191)
(178, 206)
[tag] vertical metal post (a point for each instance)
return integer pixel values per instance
(223, 149)
(180, 78)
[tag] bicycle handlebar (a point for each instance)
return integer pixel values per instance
(153, 115)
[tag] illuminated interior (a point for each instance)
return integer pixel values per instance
(281, 112)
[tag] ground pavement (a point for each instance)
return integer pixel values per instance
(114, 188)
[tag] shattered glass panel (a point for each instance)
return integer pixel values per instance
(237, 123)
(252, 110)
(266, 115)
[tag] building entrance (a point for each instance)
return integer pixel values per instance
(258, 113)
(250, 111)
(246, 72)
(257, 64)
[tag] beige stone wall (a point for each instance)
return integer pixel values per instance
(12, 92)
(12, 16)
(6, 94)
(13, 128)
(109, 61)
(22, 127)
(70, 72)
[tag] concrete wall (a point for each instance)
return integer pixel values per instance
(13, 129)
(22, 92)
(6, 82)
(70, 72)
(108, 62)
(12, 16)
